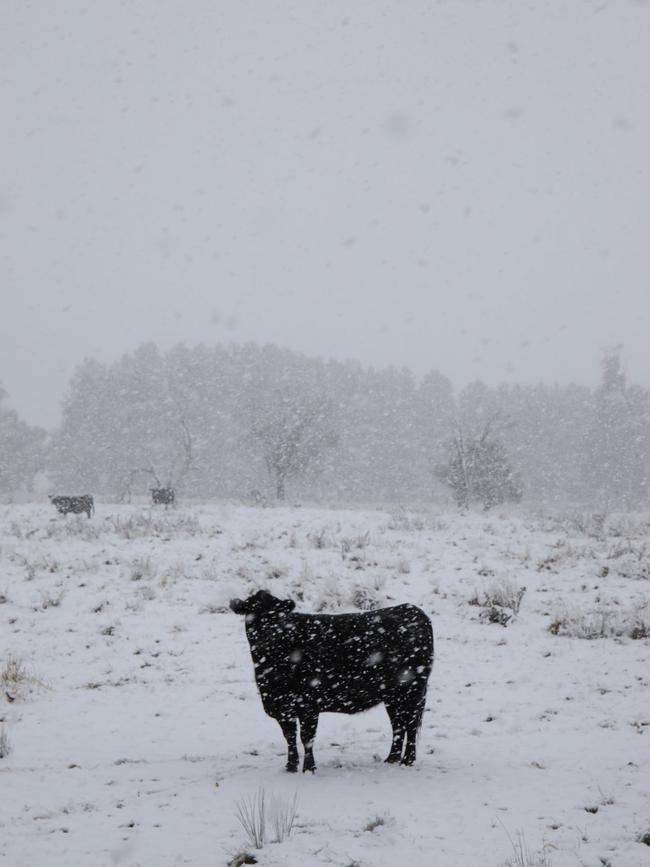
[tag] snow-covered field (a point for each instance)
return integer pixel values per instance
(132, 726)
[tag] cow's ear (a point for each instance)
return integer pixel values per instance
(287, 605)
(238, 606)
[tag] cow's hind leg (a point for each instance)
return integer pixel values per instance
(413, 721)
(290, 730)
(399, 729)
(307, 734)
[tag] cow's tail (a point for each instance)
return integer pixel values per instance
(419, 710)
(420, 697)
(423, 675)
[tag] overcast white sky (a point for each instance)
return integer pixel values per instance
(455, 185)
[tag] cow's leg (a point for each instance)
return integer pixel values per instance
(307, 734)
(396, 721)
(413, 721)
(290, 731)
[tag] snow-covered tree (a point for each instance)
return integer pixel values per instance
(122, 428)
(478, 469)
(22, 450)
(228, 420)
(616, 461)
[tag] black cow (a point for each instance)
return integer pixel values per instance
(163, 496)
(77, 504)
(306, 664)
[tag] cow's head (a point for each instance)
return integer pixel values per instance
(261, 602)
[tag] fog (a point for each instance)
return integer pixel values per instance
(452, 186)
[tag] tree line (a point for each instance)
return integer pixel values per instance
(262, 423)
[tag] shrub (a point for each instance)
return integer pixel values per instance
(242, 858)
(320, 538)
(350, 543)
(377, 822)
(506, 594)
(147, 524)
(14, 673)
(15, 677)
(605, 621)
(499, 602)
(142, 567)
(478, 470)
(402, 520)
(368, 596)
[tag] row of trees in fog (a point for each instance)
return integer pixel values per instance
(265, 423)
(23, 450)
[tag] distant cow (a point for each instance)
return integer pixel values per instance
(77, 504)
(306, 664)
(163, 496)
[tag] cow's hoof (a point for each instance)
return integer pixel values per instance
(292, 769)
(407, 761)
(392, 760)
(307, 769)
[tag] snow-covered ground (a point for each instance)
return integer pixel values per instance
(133, 726)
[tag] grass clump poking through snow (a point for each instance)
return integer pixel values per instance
(16, 679)
(283, 816)
(5, 746)
(252, 816)
(366, 595)
(522, 857)
(320, 538)
(147, 524)
(142, 568)
(505, 594)
(377, 822)
(51, 600)
(14, 673)
(499, 602)
(370, 595)
(605, 621)
(242, 858)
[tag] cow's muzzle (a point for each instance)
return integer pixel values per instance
(238, 606)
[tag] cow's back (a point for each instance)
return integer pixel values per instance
(344, 662)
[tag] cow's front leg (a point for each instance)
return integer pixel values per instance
(290, 730)
(308, 727)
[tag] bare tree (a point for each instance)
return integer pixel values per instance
(293, 434)
(182, 463)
